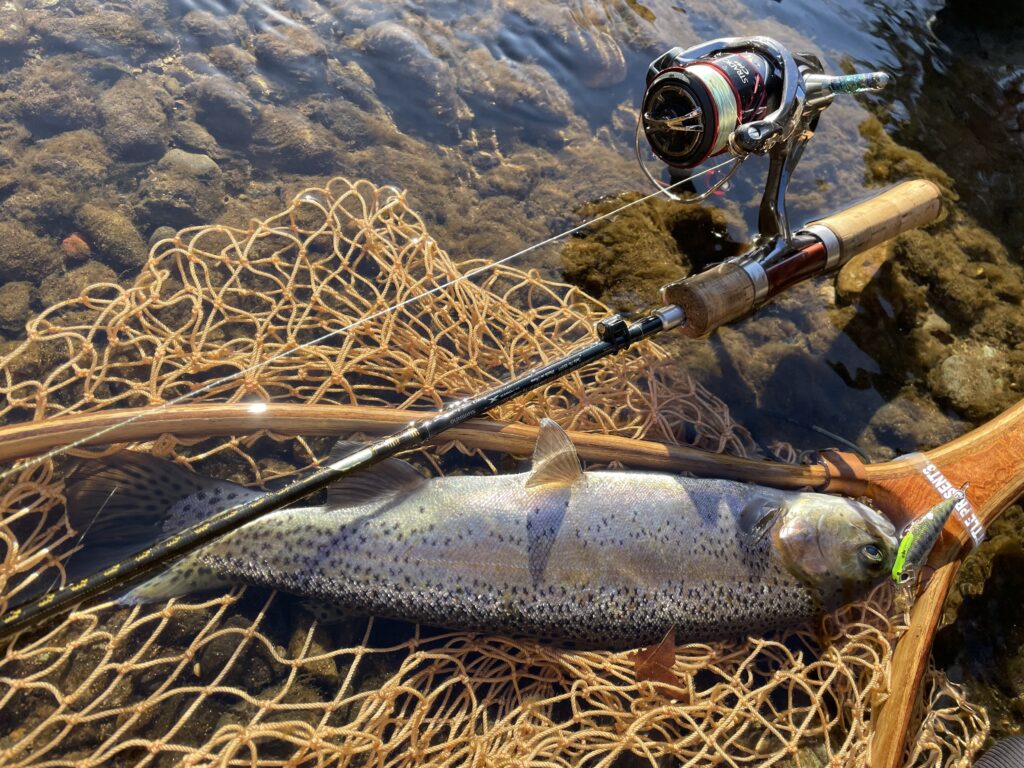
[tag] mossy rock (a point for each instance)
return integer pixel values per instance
(626, 259)
(942, 310)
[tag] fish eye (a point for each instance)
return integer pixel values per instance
(871, 553)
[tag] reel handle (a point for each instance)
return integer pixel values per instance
(734, 288)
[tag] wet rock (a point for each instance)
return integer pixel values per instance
(134, 119)
(75, 248)
(352, 82)
(252, 671)
(184, 189)
(189, 164)
(62, 286)
(974, 380)
(212, 29)
(626, 259)
(15, 305)
(13, 27)
(192, 137)
(113, 235)
(413, 81)
(984, 649)
(323, 670)
(101, 32)
(79, 158)
(354, 126)
(951, 281)
(515, 101)
(24, 256)
(295, 52)
(291, 142)
(859, 271)
(232, 59)
(905, 425)
(585, 48)
(888, 161)
(161, 233)
(52, 96)
(225, 109)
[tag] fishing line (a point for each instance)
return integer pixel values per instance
(29, 463)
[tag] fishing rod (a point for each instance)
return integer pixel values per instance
(743, 96)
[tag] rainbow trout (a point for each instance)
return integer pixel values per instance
(594, 559)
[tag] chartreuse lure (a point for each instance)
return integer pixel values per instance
(919, 538)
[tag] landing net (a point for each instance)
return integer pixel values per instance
(249, 677)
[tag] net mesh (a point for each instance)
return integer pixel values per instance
(250, 678)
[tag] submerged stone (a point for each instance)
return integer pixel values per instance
(224, 108)
(15, 305)
(107, 32)
(13, 27)
(413, 81)
(288, 140)
(62, 286)
(293, 51)
(114, 236)
(212, 29)
(134, 120)
(24, 256)
(52, 95)
(184, 189)
(75, 248)
(625, 260)
(79, 158)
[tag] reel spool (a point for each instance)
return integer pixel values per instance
(690, 111)
(743, 96)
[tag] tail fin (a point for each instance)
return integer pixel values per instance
(122, 504)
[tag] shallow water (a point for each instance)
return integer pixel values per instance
(503, 119)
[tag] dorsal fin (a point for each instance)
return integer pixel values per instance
(554, 459)
(386, 479)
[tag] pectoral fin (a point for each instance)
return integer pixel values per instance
(758, 517)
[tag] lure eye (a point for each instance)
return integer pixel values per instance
(871, 553)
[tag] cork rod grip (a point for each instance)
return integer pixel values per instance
(712, 298)
(906, 206)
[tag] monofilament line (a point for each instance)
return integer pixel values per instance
(94, 437)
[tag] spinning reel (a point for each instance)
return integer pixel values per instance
(744, 96)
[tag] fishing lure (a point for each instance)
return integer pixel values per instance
(919, 538)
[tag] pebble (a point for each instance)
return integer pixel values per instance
(75, 248)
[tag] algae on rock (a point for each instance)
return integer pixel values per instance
(943, 314)
(626, 259)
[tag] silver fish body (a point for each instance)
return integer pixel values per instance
(597, 559)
